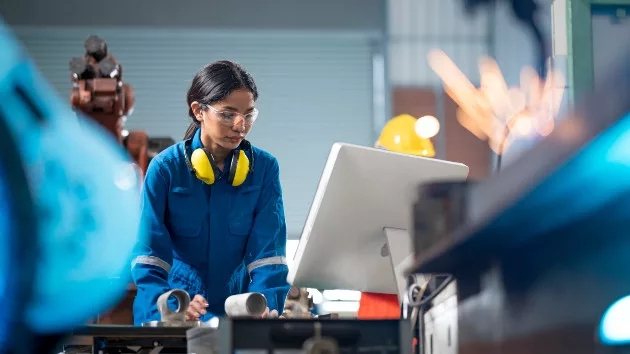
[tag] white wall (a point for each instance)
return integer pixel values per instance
(417, 26)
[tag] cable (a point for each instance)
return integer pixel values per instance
(506, 135)
(416, 291)
(525, 11)
(543, 50)
(418, 301)
(420, 345)
(498, 163)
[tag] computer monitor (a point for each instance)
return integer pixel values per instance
(356, 233)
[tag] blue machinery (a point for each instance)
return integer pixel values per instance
(72, 209)
(541, 252)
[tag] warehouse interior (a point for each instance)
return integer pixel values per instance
(337, 72)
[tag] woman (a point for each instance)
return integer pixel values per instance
(213, 207)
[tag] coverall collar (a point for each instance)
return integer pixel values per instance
(196, 142)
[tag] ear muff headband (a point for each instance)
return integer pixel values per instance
(187, 148)
(202, 164)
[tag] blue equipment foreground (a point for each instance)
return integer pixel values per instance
(540, 251)
(85, 192)
(18, 234)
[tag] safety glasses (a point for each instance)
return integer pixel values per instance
(230, 118)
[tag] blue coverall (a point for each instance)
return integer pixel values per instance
(214, 241)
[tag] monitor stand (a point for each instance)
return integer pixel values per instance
(401, 256)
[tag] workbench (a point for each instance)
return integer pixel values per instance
(236, 336)
(96, 339)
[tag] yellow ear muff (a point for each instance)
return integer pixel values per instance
(204, 166)
(239, 169)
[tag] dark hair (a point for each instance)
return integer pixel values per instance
(213, 83)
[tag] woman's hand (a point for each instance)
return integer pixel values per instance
(197, 308)
(268, 314)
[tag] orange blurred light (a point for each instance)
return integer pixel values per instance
(494, 110)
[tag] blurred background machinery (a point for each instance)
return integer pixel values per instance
(98, 90)
(156, 145)
(87, 214)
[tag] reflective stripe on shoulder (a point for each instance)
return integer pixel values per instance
(151, 260)
(266, 261)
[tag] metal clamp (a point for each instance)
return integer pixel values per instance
(179, 315)
(170, 318)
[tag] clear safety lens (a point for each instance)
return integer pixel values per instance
(230, 119)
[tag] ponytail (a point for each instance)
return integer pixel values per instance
(192, 129)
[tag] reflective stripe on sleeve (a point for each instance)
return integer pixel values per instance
(151, 260)
(266, 261)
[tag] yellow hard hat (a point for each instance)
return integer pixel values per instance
(399, 135)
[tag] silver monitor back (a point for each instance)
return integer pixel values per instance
(362, 192)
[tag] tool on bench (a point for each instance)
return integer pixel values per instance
(245, 305)
(240, 305)
(172, 318)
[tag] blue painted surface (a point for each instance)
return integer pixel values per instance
(5, 234)
(86, 193)
(594, 177)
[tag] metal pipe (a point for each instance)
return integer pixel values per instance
(245, 305)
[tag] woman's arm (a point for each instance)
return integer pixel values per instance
(153, 257)
(266, 247)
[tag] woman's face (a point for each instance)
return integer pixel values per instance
(214, 124)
